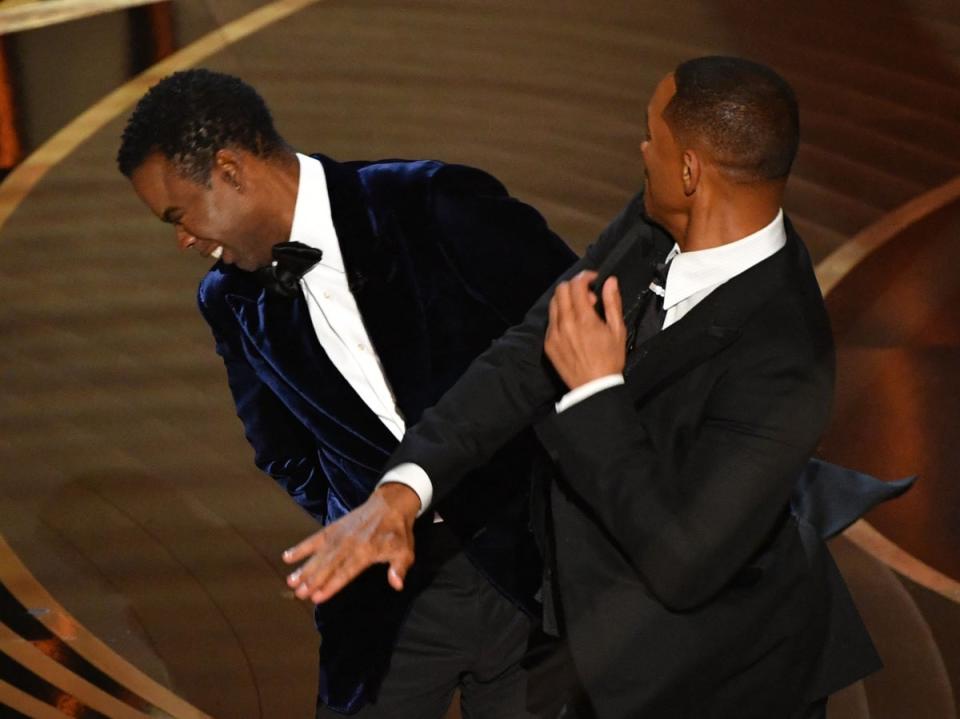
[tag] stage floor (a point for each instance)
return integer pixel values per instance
(140, 562)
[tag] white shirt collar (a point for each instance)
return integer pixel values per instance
(693, 272)
(312, 219)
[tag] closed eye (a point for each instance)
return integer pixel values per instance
(172, 215)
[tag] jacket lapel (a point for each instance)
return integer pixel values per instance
(713, 324)
(674, 351)
(281, 331)
(373, 249)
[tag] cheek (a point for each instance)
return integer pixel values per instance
(218, 219)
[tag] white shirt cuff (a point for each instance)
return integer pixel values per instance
(587, 390)
(413, 476)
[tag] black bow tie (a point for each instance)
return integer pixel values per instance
(292, 260)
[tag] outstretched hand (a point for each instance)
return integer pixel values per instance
(581, 345)
(378, 531)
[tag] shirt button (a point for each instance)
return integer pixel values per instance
(326, 295)
(362, 347)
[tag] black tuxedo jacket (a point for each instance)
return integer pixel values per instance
(685, 585)
(441, 261)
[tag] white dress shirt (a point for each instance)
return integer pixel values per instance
(692, 277)
(333, 310)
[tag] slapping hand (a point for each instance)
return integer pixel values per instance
(378, 531)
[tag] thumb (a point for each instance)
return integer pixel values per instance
(397, 572)
(399, 566)
(395, 578)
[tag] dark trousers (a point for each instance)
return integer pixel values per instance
(460, 633)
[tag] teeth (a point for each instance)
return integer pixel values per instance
(217, 252)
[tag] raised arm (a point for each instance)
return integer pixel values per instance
(688, 521)
(502, 392)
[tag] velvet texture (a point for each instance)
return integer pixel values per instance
(441, 261)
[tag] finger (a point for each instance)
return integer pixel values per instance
(564, 304)
(399, 566)
(613, 305)
(305, 579)
(580, 294)
(307, 547)
(395, 579)
(293, 579)
(554, 313)
(345, 573)
(314, 576)
(318, 567)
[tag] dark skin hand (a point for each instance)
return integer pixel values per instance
(581, 346)
(379, 531)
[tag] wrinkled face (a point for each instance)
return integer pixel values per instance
(664, 198)
(212, 220)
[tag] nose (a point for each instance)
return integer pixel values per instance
(184, 238)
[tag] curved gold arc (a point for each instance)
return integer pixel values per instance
(29, 592)
(830, 272)
(21, 15)
(28, 705)
(22, 180)
(839, 263)
(28, 656)
(868, 539)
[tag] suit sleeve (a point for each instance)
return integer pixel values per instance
(504, 390)
(282, 446)
(689, 524)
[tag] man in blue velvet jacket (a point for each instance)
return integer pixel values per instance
(346, 299)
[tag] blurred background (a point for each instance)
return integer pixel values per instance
(139, 547)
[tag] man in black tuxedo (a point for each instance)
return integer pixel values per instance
(346, 298)
(676, 427)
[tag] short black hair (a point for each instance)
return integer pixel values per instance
(743, 112)
(188, 116)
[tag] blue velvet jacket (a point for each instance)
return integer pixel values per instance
(441, 261)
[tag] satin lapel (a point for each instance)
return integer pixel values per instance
(713, 323)
(281, 330)
(374, 255)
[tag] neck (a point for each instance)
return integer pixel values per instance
(279, 182)
(726, 214)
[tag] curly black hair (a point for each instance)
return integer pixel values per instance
(744, 112)
(188, 116)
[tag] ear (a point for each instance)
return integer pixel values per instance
(228, 164)
(691, 172)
